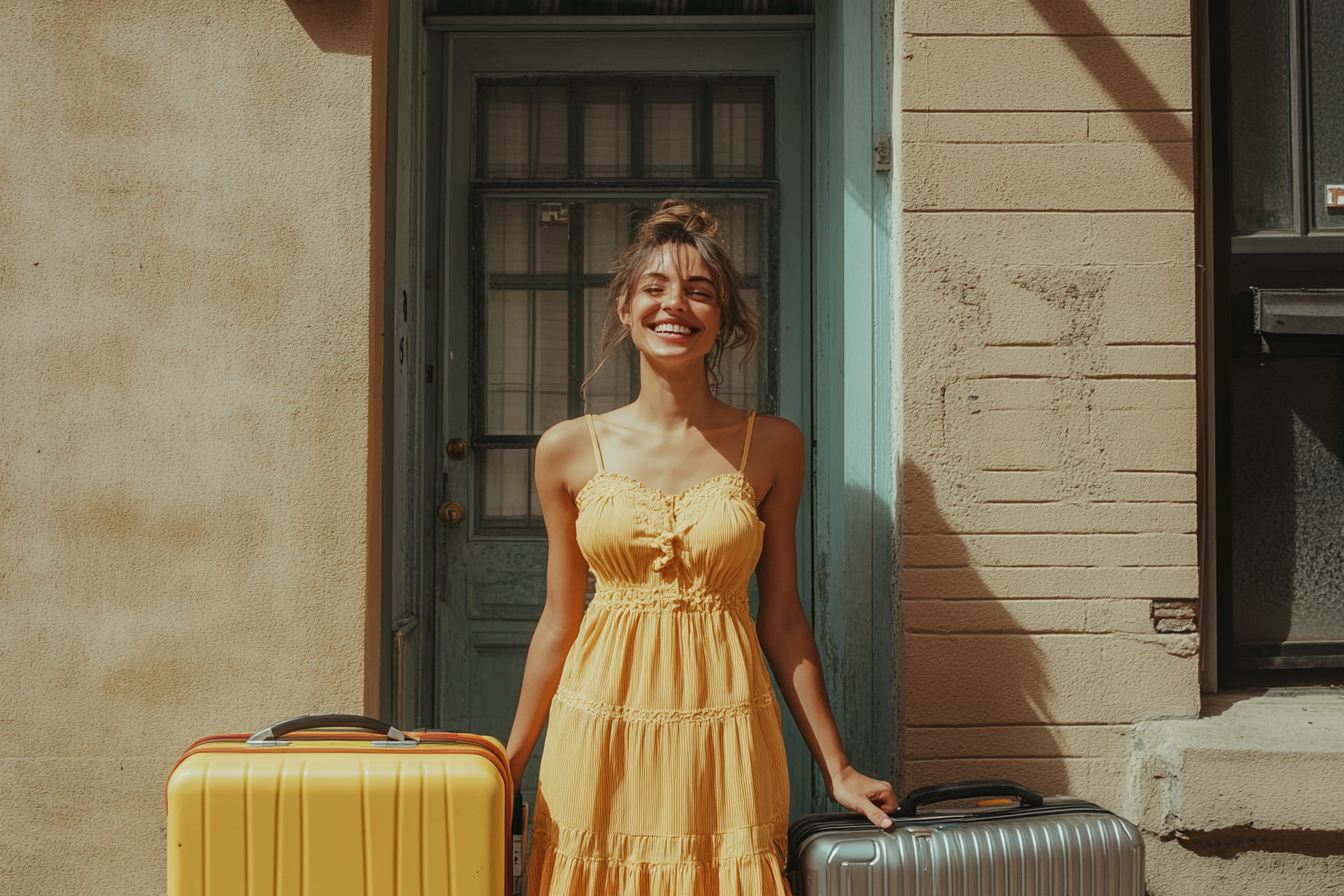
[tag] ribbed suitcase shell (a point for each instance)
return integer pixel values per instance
(332, 815)
(1066, 848)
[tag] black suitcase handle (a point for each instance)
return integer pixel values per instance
(273, 734)
(964, 790)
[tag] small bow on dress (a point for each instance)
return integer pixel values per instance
(669, 543)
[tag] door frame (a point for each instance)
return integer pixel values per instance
(856, 446)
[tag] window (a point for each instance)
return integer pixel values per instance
(1286, 108)
(1277, 116)
(565, 171)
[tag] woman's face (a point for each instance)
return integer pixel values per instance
(673, 313)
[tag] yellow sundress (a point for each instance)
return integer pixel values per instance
(664, 771)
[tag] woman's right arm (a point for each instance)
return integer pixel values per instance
(566, 582)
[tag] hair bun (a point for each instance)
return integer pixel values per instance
(680, 215)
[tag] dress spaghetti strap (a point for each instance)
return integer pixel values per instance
(746, 446)
(597, 449)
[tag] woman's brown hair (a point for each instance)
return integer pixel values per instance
(680, 222)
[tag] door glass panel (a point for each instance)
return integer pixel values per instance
(740, 228)
(1326, 37)
(739, 383)
(671, 131)
(607, 229)
(617, 382)
(1261, 112)
(508, 491)
(519, 241)
(546, 254)
(739, 129)
(1288, 503)
(526, 131)
(527, 353)
(606, 131)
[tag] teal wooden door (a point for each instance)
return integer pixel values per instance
(556, 146)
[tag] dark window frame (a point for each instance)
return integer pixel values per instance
(1304, 239)
(1233, 261)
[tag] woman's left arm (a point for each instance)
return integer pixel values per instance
(786, 638)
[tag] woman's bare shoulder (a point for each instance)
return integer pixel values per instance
(564, 442)
(778, 433)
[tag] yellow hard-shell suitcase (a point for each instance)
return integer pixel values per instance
(291, 811)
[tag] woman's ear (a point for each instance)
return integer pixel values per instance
(623, 310)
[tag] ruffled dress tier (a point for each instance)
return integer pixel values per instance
(664, 770)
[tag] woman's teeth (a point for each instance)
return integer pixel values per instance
(677, 329)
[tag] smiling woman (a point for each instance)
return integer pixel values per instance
(679, 244)
(665, 770)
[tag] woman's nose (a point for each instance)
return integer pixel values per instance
(673, 297)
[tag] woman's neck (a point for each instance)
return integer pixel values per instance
(675, 398)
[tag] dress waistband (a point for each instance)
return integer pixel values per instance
(642, 598)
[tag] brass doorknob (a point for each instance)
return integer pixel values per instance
(452, 512)
(456, 449)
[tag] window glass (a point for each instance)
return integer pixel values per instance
(546, 250)
(740, 385)
(616, 383)
(1261, 111)
(526, 131)
(606, 131)
(739, 130)
(509, 492)
(1288, 503)
(1326, 48)
(740, 228)
(671, 131)
(607, 230)
(518, 242)
(657, 128)
(527, 354)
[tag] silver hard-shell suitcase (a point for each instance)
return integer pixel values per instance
(1028, 845)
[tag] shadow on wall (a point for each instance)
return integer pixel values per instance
(976, 689)
(337, 26)
(1116, 72)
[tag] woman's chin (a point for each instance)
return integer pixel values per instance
(665, 353)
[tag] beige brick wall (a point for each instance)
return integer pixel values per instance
(1048, 317)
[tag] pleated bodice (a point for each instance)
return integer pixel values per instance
(664, 768)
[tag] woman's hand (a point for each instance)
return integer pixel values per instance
(865, 795)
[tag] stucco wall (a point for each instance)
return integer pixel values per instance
(184, 339)
(1048, 329)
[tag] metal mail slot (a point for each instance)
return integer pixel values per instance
(1319, 311)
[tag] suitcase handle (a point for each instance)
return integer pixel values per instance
(963, 790)
(271, 736)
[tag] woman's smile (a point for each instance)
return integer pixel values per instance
(674, 330)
